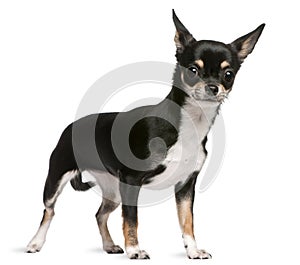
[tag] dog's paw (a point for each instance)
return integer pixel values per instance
(198, 254)
(141, 254)
(34, 246)
(114, 249)
(136, 253)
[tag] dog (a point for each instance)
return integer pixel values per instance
(154, 146)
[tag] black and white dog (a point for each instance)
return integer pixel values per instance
(157, 146)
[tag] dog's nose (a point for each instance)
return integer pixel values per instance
(211, 89)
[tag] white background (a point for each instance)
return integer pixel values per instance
(51, 52)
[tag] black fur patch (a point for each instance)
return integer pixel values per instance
(78, 185)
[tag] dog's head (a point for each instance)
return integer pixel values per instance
(208, 68)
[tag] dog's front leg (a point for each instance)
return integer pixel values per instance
(129, 195)
(184, 201)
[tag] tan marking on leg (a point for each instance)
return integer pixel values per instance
(103, 229)
(126, 233)
(200, 63)
(39, 238)
(102, 216)
(224, 64)
(188, 228)
(130, 234)
(185, 217)
(48, 215)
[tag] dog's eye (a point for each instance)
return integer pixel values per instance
(229, 76)
(192, 72)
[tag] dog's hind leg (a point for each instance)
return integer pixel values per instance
(102, 215)
(61, 170)
(39, 238)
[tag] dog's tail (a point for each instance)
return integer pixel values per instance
(77, 183)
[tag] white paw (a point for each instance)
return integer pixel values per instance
(198, 254)
(141, 254)
(34, 246)
(136, 253)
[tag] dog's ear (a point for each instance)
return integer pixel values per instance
(245, 44)
(183, 37)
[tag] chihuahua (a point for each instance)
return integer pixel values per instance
(155, 146)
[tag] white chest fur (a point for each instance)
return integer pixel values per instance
(187, 154)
